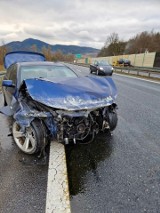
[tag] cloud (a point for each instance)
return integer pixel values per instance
(44, 33)
(77, 22)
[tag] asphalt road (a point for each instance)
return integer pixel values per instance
(121, 173)
(118, 173)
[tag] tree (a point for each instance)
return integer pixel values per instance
(47, 52)
(145, 41)
(69, 57)
(113, 46)
(3, 51)
(58, 56)
(112, 39)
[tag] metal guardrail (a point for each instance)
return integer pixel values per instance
(140, 71)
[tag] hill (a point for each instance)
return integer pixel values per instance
(30, 43)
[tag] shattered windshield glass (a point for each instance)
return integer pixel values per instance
(45, 71)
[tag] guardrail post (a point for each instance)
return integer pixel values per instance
(143, 59)
(134, 59)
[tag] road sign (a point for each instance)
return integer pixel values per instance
(78, 56)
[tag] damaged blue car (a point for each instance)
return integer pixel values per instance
(49, 101)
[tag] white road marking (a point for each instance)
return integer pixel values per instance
(142, 79)
(57, 200)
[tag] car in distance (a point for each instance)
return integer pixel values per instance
(101, 68)
(124, 62)
(49, 101)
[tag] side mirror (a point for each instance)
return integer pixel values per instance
(8, 83)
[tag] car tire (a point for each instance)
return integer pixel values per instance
(97, 72)
(32, 140)
(5, 103)
(113, 120)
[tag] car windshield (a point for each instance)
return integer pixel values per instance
(45, 71)
(104, 63)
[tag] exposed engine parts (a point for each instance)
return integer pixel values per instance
(69, 127)
(84, 127)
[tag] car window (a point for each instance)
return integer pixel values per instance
(9, 70)
(45, 71)
(96, 63)
(104, 63)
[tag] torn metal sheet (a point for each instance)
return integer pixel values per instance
(10, 110)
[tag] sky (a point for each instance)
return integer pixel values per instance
(77, 22)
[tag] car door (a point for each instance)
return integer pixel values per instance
(10, 91)
(94, 66)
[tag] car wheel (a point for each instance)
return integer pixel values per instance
(32, 139)
(97, 72)
(5, 103)
(113, 120)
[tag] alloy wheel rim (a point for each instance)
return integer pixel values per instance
(26, 141)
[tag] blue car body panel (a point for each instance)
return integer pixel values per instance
(22, 56)
(73, 94)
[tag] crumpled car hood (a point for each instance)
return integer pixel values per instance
(73, 94)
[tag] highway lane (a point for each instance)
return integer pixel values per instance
(121, 173)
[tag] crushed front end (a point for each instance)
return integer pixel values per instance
(70, 111)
